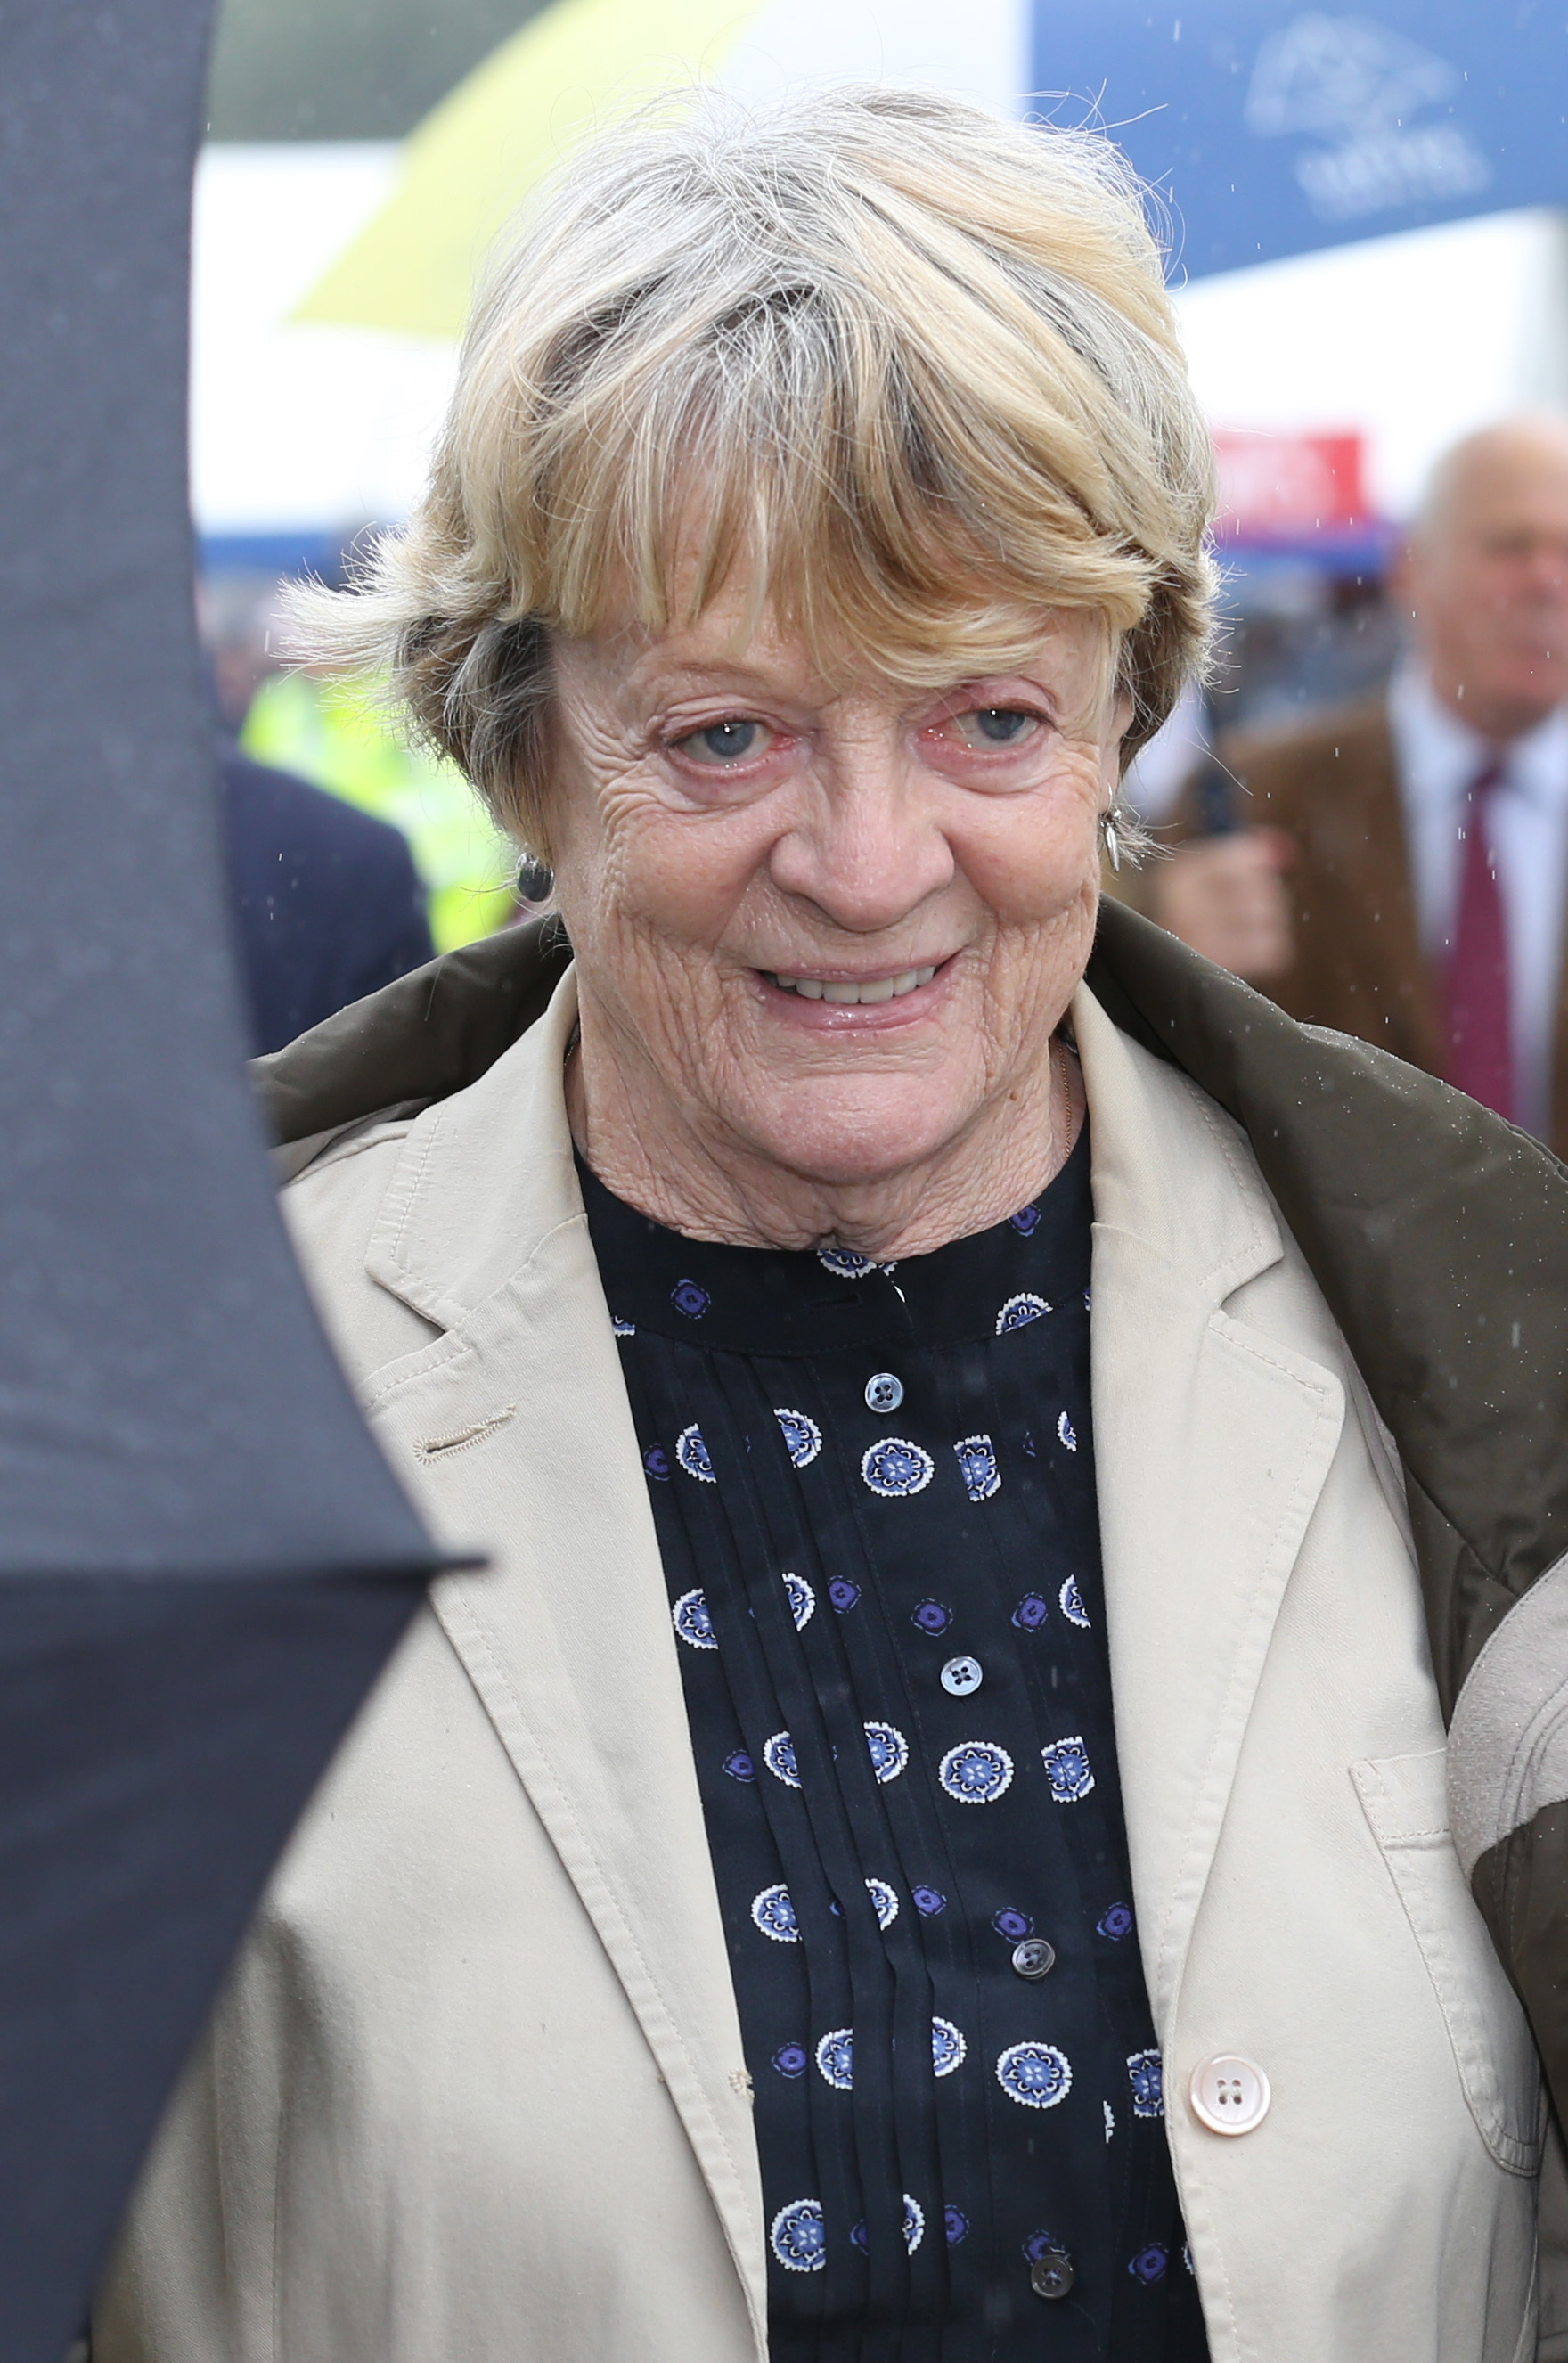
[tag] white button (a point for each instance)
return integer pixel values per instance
(884, 1392)
(1229, 2094)
(962, 1675)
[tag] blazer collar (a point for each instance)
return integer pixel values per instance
(484, 1178)
(1212, 1441)
(566, 1637)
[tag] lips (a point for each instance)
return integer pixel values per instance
(859, 993)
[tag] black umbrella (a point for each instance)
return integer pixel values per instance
(204, 1561)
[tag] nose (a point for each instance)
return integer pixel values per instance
(868, 848)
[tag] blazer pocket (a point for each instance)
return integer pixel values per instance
(1404, 1799)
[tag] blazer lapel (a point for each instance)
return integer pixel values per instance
(1211, 1445)
(516, 1426)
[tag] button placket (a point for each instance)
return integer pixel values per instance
(962, 1676)
(884, 1391)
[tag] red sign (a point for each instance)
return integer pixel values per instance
(1289, 484)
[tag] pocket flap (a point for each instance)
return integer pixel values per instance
(1404, 1799)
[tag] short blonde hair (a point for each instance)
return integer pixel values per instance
(913, 368)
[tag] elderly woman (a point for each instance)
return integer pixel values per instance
(927, 1837)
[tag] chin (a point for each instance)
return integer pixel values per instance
(875, 1137)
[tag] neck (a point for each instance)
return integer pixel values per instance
(686, 1170)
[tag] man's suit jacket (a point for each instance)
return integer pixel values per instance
(476, 2088)
(1359, 967)
(326, 902)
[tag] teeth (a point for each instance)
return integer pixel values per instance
(881, 988)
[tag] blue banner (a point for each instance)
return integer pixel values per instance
(1273, 130)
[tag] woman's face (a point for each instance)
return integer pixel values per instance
(825, 927)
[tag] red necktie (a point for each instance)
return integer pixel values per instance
(1480, 1039)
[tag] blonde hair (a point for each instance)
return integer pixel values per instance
(914, 369)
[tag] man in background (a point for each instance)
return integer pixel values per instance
(326, 900)
(1402, 876)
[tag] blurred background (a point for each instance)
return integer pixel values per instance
(1367, 246)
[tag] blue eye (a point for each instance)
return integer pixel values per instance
(1001, 724)
(729, 741)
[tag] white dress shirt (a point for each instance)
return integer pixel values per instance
(1438, 759)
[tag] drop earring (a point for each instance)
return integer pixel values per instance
(1112, 838)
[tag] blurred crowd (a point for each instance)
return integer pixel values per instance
(352, 855)
(1366, 818)
(1392, 864)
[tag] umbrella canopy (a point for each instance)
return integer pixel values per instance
(476, 156)
(1276, 129)
(204, 1561)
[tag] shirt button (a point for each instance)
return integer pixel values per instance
(1229, 2094)
(1052, 2275)
(884, 1392)
(962, 1675)
(1034, 1957)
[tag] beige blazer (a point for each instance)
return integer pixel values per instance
(476, 2090)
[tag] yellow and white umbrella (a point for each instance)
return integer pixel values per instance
(475, 158)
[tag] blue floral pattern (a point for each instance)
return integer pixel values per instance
(692, 1621)
(779, 1755)
(843, 1264)
(803, 1600)
(889, 1751)
(688, 1298)
(978, 1467)
(1036, 2075)
(1065, 1433)
(977, 1772)
(803, 1436)
(1068, 1770)
(798, 2237)
(895, 1467)
(773, 1912)
(1148, 2085)
(948, 2049)
(1020, 1310)
(835, 2058)
(1072, 1600)
(884, 1901)
(914, 2223)
(692, 1455)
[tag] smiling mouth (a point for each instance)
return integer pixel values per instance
(852, 995)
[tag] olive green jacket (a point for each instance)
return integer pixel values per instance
(1439, 1236)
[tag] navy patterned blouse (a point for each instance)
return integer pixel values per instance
(873, 1487)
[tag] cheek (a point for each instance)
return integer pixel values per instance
(1031, 859)
(630, 861)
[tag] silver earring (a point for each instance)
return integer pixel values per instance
(1112, 840)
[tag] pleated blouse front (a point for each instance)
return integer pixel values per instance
(873, 1487)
